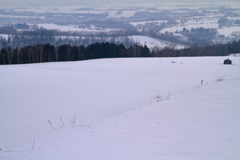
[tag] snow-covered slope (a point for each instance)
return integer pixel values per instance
(151, 43)
(72, 28)
(146, 108)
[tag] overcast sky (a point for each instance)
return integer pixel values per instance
(59, 2)
(56, 2)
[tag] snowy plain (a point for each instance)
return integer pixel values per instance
(135, 108)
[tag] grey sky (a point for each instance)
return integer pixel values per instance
(59, 2)
(56, 2)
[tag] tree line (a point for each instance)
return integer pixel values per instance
(52, 53)
(210, 50)
(41, 36)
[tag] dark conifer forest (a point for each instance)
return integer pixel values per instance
(49, 53)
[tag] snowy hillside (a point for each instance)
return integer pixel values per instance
(135, 108)
(72, 28)
(204, 23)
(152, 43)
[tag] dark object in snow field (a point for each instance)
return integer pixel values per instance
(227, 61)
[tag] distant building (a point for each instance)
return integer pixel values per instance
(227, 61)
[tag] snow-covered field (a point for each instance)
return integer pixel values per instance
(227, 31)
(192, 24)
(136, 108)
(72, 28)
(121, 14)
(5, 36)
(207, 23)
(153, 42)
(144, 22)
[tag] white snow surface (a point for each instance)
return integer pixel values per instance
(5, 36)
(153, 42)
(227, 31)
(136, 108)
(122, 14)
(144, 22)
(204, 23)
(71, 28)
